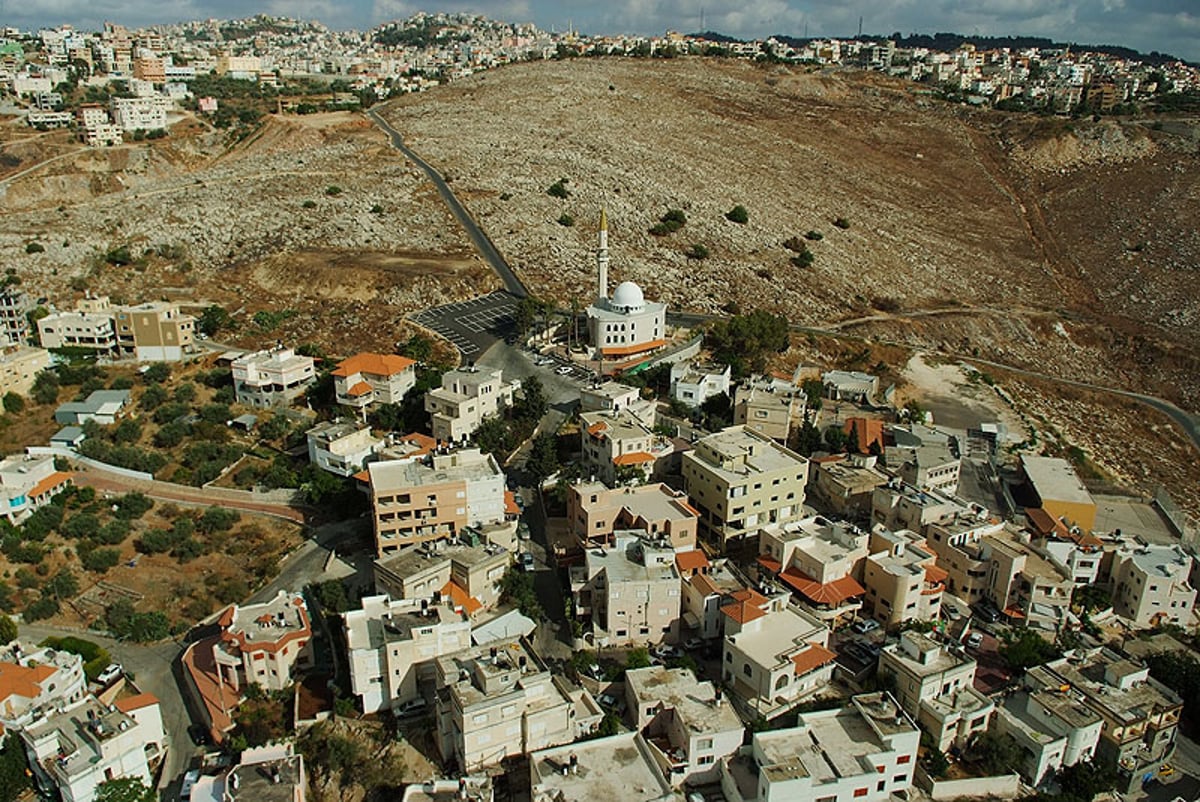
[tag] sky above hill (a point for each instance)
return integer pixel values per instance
(1171, 26)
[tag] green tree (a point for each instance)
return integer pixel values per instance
(157, 373)
(995, 754)
(533, 404)
(493, 436)
(738, 214)
(126, 789)
(516, 587)
(213, 319)
(744, 342)
(14, 768)
(45, 387)
(13, 403)
(637, 658)
(332, 596)
(717, 411)
(1026, 649)
(8, 630)
(543, 458)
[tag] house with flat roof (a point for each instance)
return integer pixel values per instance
(263, 644)
(619, 768)
(821, 561)
(1054, 728)
(27, 483)
(768, 405)
(271, 378)
(775, 654)
(91, 330)
(631, 591)
(595, 512)
(1141, 714)
(435, 497)
(102, 406)
(271, 773)
(1058, 490)
(842, 485)
(619, 447)
(935, 685)
(19, 367)
(693, 383)
(902, 578)
(467, 397)
(739, 480)
(473, 788)
(391, 645)
(469, 576)
(688, 724)
(71, 753)
(35, 680)
(155, 331)
(15, 306)
(855, 386)
(865, 751)
(611, 396)
(1151, 585)
(366, 379)
(341, 447)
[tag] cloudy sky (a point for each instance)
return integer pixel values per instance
(1171, 26)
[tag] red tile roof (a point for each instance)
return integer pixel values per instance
(49, 483)
(691, 560)
(935, 573)
(634, 458)
(361, 388)
(770, 563)
(18, 680)
(746, 605)
(598, 428)
(136, 702)
(868, 430)
(510, 503)
(831, 593)
(812, 658)
(461, 598)
(373, 364)
(626, 350)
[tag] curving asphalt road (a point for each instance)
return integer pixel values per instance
(483, 244)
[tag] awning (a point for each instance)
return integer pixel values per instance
(830, 593)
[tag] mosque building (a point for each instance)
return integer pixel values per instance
(624, 326)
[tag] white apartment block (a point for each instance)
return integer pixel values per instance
(27, 483)
(35, 680)
(694, 383)
(105, 135)
(841, 385)
(496, 701)
(866, 752)
(631, 591)
(466, 398)
(261, 644)
(1055, 728)
(92, 330)
(19, 367)
(75, 752)
(466, 576)
(1150, 585)
(687, 723)
(613, 397)
(740, 480)
(342, 448)
(768, 405)
(775, 654)
(620, 446)
(367, 379)
(273, 378)
(391, 645)
(902, 578)
(936, 687)
(140, 113)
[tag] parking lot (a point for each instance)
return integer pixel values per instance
(472, 326)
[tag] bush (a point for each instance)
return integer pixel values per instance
(34, 247)
(113, 532)
(697, 251)
(157, 373)
(133, 505)
(559, 189)
(377, 209)
(842, 223)
(41, 609)
(217, 519)
(738, 214)
(814, 236)
(802, 259)
(119, 256)
(333, 190)
(566, 220)
(669, 223)
(309, 204)
(13, 403)
(100, 560)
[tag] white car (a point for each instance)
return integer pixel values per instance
(665, 652)
(412, 707)
(110, 674)
(563, 371)
(975, 640)
(189, 780)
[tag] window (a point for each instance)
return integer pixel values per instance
(900, 778)
(860, 792)
(881, 785)
(706, 760)
(903, 759)
(704, 743)
(747, 670)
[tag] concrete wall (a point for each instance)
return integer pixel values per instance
(1004, 786)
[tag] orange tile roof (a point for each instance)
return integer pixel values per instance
(461, 598)
(743, 612)
(691, 560)
(706, 586)
(770, 563)
(136, 702)
(935, 573)
(363, 476)
(626, 350)
(812, 658)
(510, 503)
(361, 388)
(373, 364)
(634, 458)
(868, 430)
(597, 428)
(831, 593)
(49, 483)
(23, 681)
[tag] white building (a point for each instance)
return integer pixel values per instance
(342, 448)
(1150, 585)
(27, 483)
(91, 330)
(693, 383)
(273, 378)
(76, 751)
(140, 113)
(619, 768)
(391, 645)
(1055, 728)
(367, 379)
(466, 398)
(855, 386)
(862, 753)
(35, 680)
(631, 591)
(261, 644)
(625, 325)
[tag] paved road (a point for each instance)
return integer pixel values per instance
(483, 244)
(151, 665)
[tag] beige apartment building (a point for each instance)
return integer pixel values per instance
(903, 580)
(631, 591)
(261, 644)
(843, 485)
(19, 367)
(740, 480)
(15, 307)
(367, 379)
(272, 378)
(392, 643)
(496, 701)
(466, 576)
(154, 332)
(595, 512)
(821, 561)
(466, 398)
(90, 330)
(768, 405)
(1151, 587)
(620, 447)
(433, 498)
(707, 587)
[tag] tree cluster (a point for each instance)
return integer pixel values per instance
(745, 342)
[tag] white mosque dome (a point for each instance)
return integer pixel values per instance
(628, 296)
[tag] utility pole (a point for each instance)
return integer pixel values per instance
(860, 27)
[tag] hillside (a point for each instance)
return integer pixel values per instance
(996, 218)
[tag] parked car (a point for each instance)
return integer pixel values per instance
(608, 700)
(110, 674)
(189, 780)
(595, 672)
(665, 652)
(975, 640)
(199, 735)
(692, 644)
(525, 560)
(864, 626)
(412, 707)
(987, 613)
